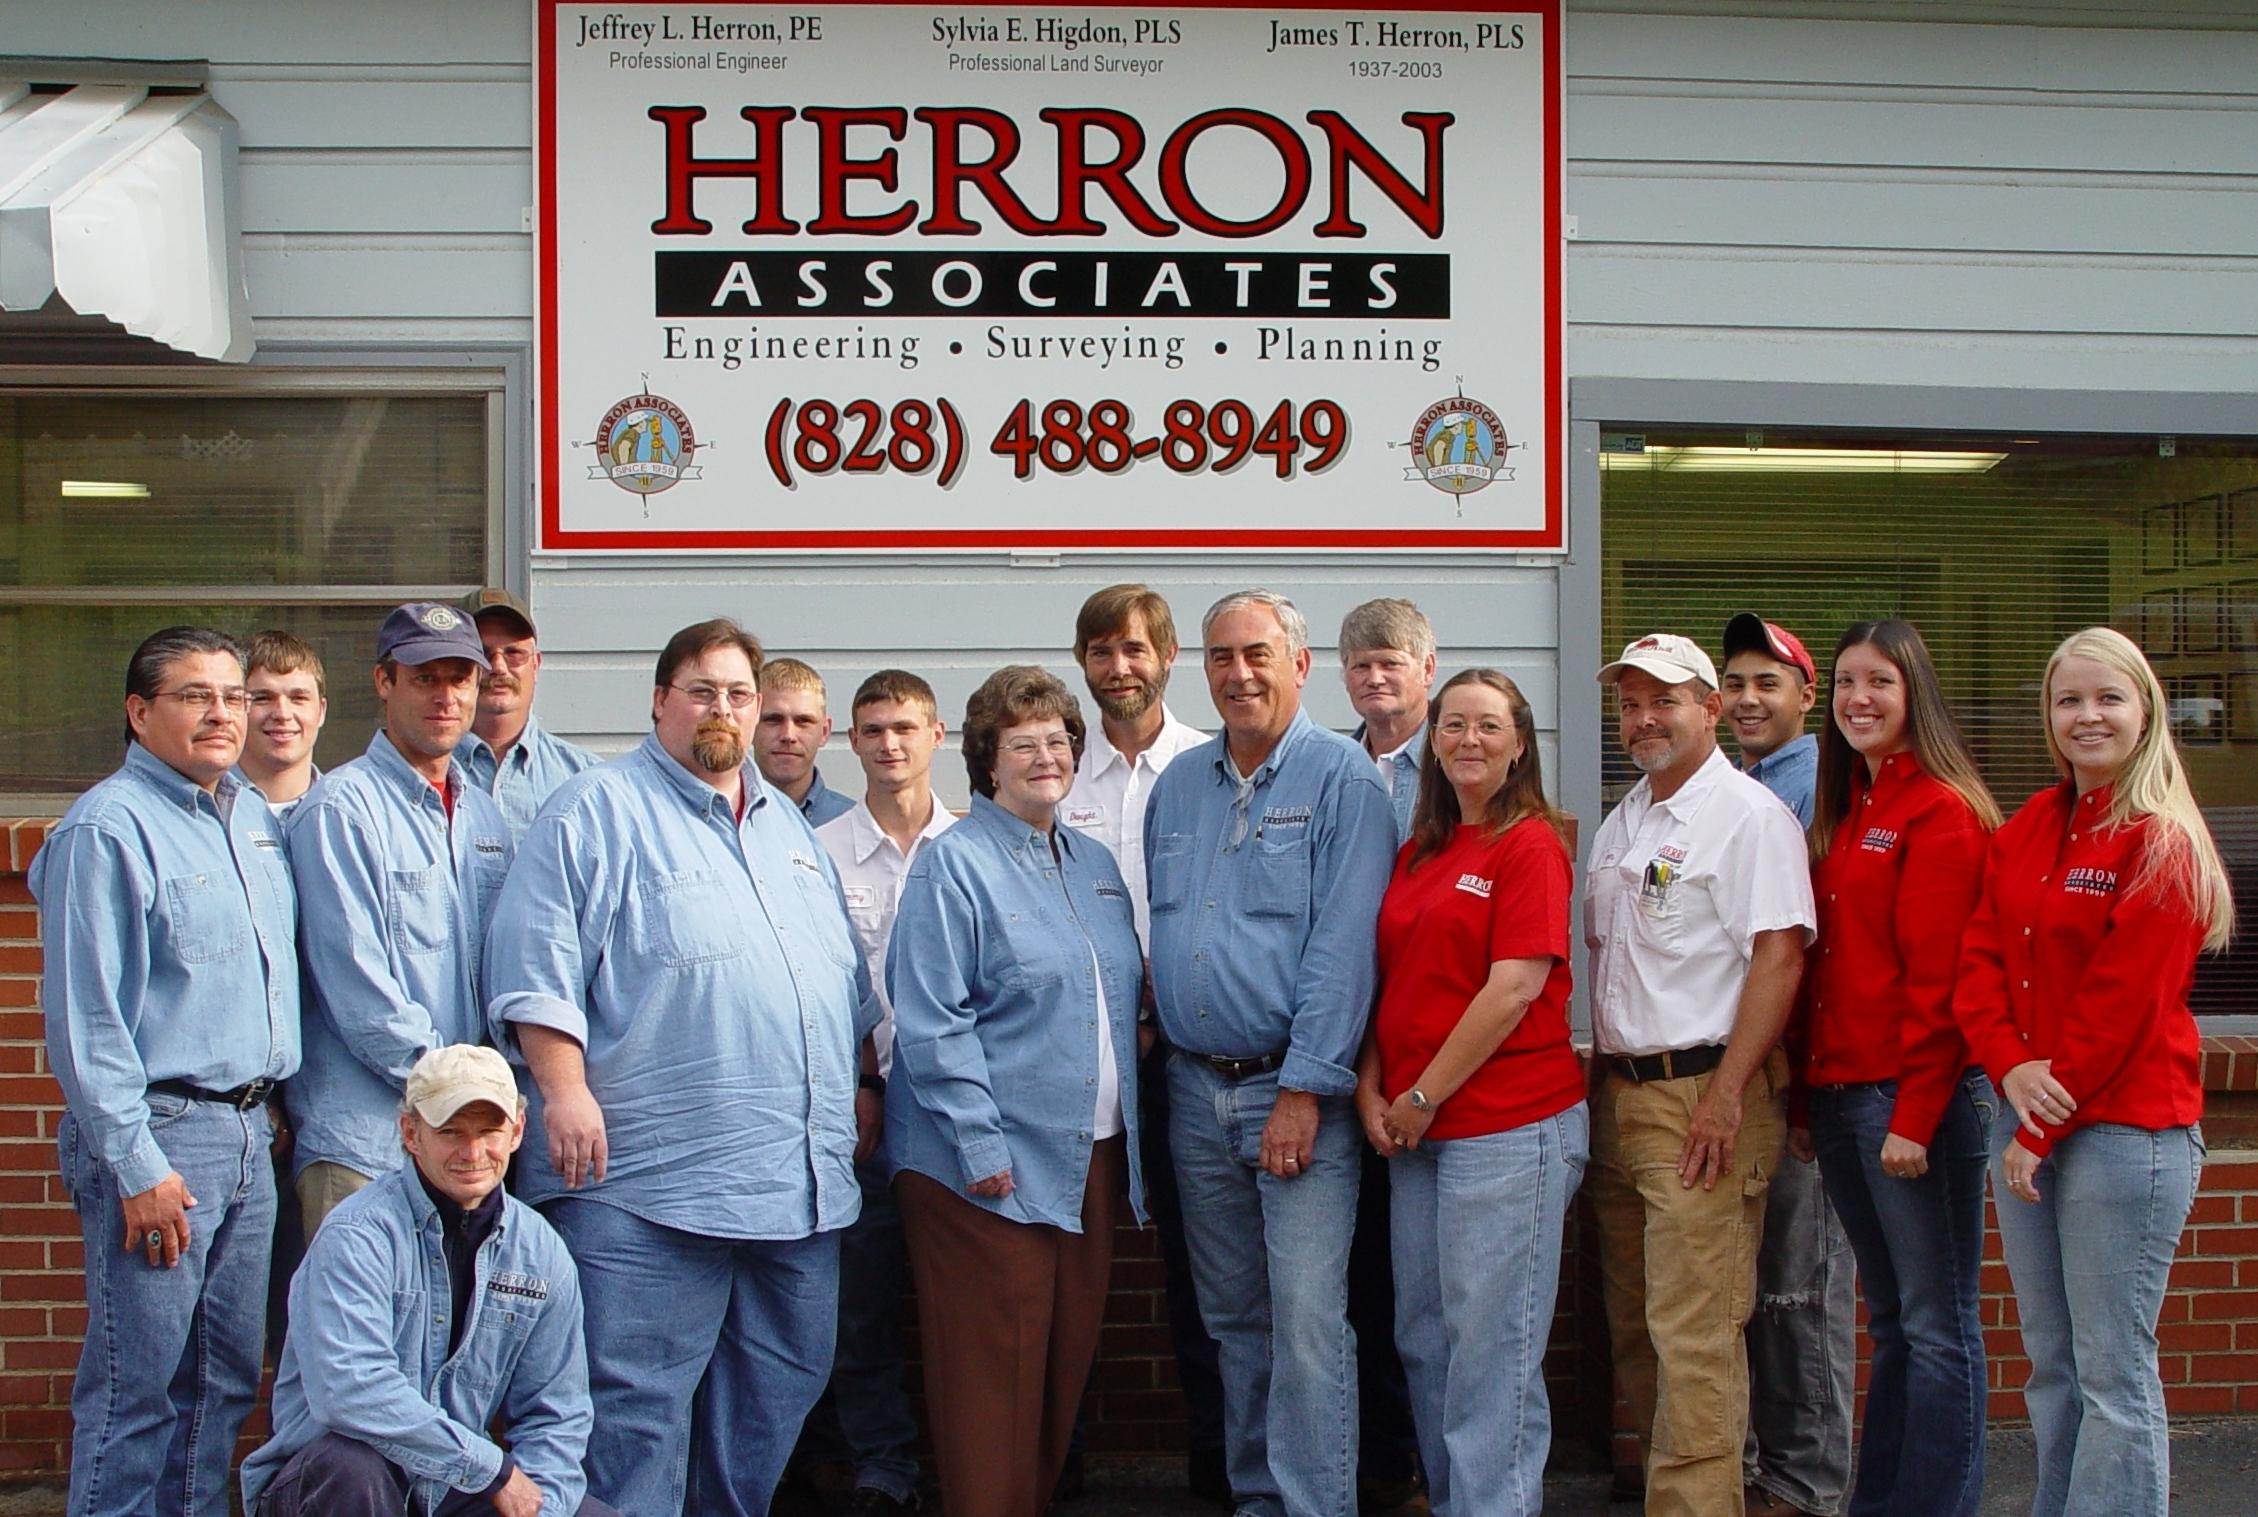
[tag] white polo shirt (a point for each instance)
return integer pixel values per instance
(871, 871)
(1678, 891)
(1108, 801)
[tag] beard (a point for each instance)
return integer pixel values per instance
(718, 745)
(1653, 756)
(1129, 706)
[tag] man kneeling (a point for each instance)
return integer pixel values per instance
(429, 1305)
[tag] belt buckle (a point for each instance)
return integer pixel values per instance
(253, 1094)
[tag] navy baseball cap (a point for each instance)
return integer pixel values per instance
(423, 632)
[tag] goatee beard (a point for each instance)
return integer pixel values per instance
(1127, 708)
(718, 746)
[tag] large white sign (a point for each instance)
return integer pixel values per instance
(889, 276)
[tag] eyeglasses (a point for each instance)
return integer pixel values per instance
(738, 697)
(201, 697)
(1058, 745)
(1452, 728)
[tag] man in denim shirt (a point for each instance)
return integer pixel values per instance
(399, 861)
(508, 753)
(672, 960)
(430, 1308)
(1267, 852)
(171, 996)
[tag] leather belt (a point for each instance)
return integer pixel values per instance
(1241, 1069)
(1671, 1064)
(242, 1098)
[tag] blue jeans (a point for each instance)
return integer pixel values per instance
(1802, 1348)
(337, 1476)
(2089, 1259)
(1476, 1228)
(1919, 1245)
(864, 1416)
(704, 1355)
(1270, 1258)
(170, 1366)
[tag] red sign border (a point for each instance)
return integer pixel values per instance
(550, 536)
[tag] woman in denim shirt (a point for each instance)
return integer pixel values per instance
(1012, 1117)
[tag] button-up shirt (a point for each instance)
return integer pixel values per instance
(282, 809)
(1791, 772)
(871, 870)
(2066, 960)
(521, 779)
(397, 897)
(822, 803)
(1399, 772)
(995, 974)
(704, 963)
(1894, 891)
(1110, 795)
(167, 921)
(1265, 895)
(368, 1356)
(1678, 891)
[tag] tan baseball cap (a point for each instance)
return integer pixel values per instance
(1665, 655)
(493, 600)
(446, 1080)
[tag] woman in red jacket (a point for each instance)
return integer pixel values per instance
(1900, 1124)
(2074, 994)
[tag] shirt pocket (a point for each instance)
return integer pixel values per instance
(209, 918)
(827, 919)
(1657, 890)
(423, 911)
(1277, 879)
(497, 1339)
(1033, 961)
(1169, 872)
(689, 918)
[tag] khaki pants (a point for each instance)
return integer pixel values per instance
(1679, 1269)
(320, 1186)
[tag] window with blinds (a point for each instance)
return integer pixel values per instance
(1996, 547)
(123, 511)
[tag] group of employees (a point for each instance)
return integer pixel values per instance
(1300, 999)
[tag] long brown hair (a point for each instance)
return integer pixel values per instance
(1435, 820)
(1930, 731)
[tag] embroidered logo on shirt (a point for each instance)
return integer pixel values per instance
(1286, 816)
(487, 845)
(2090, 881)
(802, 861)
(1108, 887)
(1474, 884)
(1878, 840)
(505, 1282)
(1671, 851)
(861, 897)
(1085, 816)
(265, 840)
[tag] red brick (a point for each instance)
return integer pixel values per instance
(19, 957)
(2213, 1208)
(37, 1222)
(18, 990)
(2188, 1337)
(22, 1423)
(30, 1090)
(2221, 1306)
(2190, 1274)
(2222, 1369)
(2199, 1400)
(2240, 1242)
(39, 1354)
(27, 1390)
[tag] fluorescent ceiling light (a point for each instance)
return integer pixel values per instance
(103, 489)
(1798, 461)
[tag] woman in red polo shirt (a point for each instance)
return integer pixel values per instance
(1469, 1085)
(2073, 990)
(1900, 1123)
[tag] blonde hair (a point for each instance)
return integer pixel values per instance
(2181, 859)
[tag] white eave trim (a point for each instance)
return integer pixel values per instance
(123, 204)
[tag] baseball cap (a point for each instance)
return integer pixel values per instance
(493, 600)
(1750, 633)
(1665, 655)
(422, 632)
(446, 1080)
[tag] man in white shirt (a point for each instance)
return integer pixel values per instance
(1125, 641)
(1698, 912)
(1387, 650)
(865, 1415)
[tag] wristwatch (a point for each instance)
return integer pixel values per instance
(874, 1083)
(1418, 1099)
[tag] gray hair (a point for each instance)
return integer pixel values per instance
(1387, 623)
(1290, 619)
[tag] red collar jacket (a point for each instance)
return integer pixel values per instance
(1900, 876)
(2064, 960)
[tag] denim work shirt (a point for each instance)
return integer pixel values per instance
(996, 1012)
(1266, 900)
(1402, 783)
(1791, 772)
(706, 967)
(167, 919)
(397, 899)
(520, 780)
(370, 1314)
(822, 803)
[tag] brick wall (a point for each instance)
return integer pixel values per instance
(2209, 1332)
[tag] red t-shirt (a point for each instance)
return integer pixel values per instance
(1442, 926)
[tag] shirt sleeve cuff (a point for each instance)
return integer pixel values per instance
(142, 1168)
(983, 1156)
(1320, 1077)
(528, 1007)
(501, 1476)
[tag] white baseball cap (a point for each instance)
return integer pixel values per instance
(446, 1080)
(1665, 655)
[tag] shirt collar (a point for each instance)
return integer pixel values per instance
(1794, 749)
(1021, 840)
(520, 751)
(388, 761)
(1897, 771)
(1408, 747)
(1099, 754)
(175, 786)
(1687, 798)
(696, 793)
(429, 1206)
(867, 837)
(817, 790)
(1227, 768)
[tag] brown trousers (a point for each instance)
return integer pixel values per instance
(1008, 1316)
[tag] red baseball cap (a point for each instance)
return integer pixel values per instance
(1750, 633)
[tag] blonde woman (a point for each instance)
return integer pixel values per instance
(2073, 992)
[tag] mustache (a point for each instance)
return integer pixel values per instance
(718, 745)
